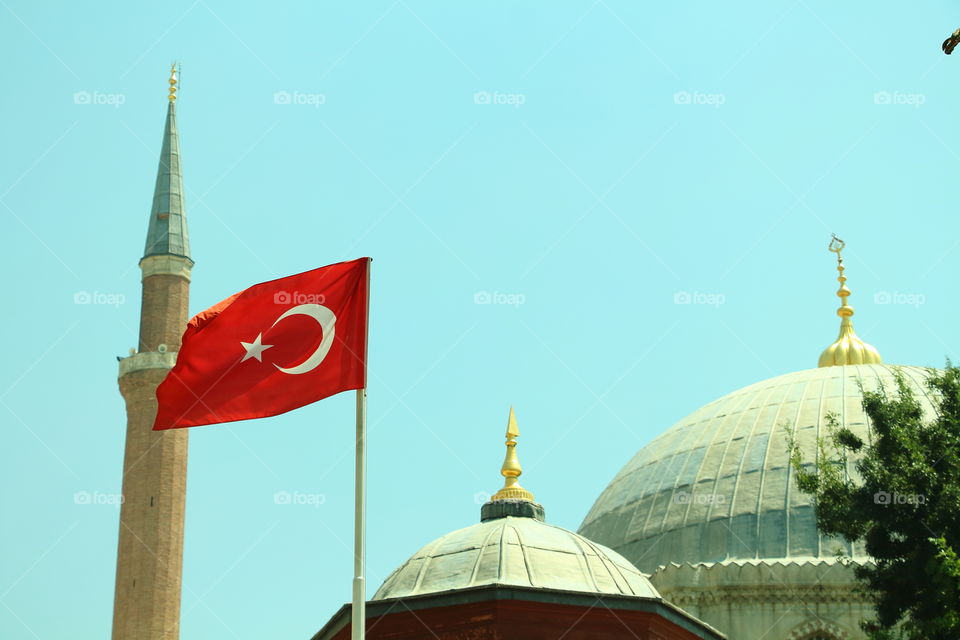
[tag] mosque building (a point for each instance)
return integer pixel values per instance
(712, 511)
(702, 534)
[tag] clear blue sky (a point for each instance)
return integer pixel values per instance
(623, 154)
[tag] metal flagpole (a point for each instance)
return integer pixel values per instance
(358, 620)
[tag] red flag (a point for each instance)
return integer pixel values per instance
(271, 348)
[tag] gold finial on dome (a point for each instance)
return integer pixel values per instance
(511, 468)
(173, 83)
(848, 348)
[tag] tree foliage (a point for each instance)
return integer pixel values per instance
(902, 503)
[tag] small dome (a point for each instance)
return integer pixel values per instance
(718, 486)
(515, 551)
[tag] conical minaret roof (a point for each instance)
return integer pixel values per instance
(167, 233)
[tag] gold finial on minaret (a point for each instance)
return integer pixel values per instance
(848, 348)
(173, 83)
(511, 468)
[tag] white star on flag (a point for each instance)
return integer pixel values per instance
(255, 349)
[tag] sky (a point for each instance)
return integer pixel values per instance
(605, 214)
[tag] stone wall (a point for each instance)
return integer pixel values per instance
(773, 600)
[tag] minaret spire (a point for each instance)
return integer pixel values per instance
(167, 232)
(848, 347)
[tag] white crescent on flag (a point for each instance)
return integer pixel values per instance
(324, 317)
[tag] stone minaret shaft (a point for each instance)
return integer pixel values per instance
(150, 553)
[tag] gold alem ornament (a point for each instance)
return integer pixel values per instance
(511, 468)
(173, 82)
(848, 347)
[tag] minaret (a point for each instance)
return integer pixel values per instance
(150, 553)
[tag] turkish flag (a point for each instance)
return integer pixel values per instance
(271, 348)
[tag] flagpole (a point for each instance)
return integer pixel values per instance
(358, 621)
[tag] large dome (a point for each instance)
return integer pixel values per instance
(518, 551)
(717, 485)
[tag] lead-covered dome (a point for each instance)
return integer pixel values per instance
(717, 485)
(516, 551)
(513, 546)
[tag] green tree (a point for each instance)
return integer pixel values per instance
(903, 503)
